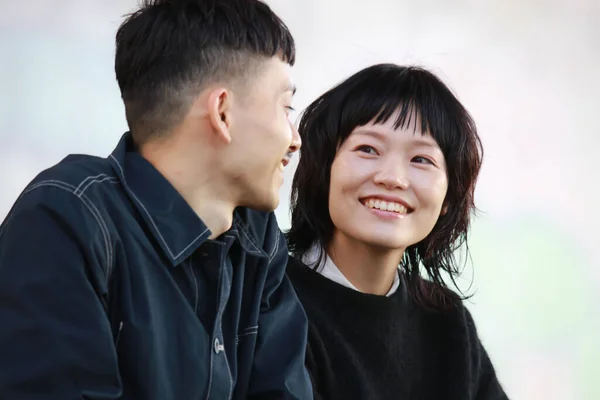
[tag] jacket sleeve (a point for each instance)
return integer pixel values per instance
(278, 370)
(55, 337)
(317, 365)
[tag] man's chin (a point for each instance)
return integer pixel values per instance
(266, 205)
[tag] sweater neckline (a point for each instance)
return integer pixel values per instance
(320, 288)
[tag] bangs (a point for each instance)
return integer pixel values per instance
(416, 98)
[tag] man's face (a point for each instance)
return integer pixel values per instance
(262, 136)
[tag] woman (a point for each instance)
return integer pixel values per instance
(381, 199)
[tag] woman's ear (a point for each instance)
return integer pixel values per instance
(444, 210)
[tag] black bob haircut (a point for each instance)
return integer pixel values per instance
(168, 50)
(375, 94)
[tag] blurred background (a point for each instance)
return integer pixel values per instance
(528, 72)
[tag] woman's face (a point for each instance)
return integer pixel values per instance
(387, 186)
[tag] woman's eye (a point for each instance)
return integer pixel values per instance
(422, 160)
(367, 149)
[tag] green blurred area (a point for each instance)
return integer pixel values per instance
(532, 279)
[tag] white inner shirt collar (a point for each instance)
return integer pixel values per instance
(330, 271)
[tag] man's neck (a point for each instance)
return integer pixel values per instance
(202, 188)
(369, 270)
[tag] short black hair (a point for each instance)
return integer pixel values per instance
(169, 49)
(375, 94)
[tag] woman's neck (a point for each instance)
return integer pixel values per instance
(370, 270)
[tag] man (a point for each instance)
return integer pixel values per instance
(148, 275)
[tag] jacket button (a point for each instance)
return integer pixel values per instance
(218, 347)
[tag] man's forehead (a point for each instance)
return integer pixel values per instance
(276, 75)
(287, 83)
(289, 86)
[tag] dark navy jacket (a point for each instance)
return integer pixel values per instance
(110, 289)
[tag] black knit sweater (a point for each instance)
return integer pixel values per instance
(370, 347)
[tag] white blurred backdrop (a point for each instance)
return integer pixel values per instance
(528, 72)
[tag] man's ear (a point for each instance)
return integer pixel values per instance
(219, 113)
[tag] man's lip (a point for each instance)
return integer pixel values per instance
(285, 161)
(388, 198)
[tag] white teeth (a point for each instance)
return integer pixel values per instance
(386, 206)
